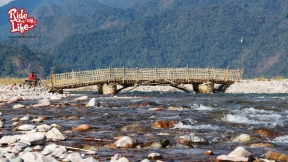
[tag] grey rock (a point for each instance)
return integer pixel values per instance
(34, 138)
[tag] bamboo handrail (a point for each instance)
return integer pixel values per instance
(123, 75)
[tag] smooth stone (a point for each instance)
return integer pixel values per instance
(92, 102)
(49, 149)
(16, 159)
(193, 139)
(74, 157)
(145, 160)
(14, 99)
(43, 128)
(225, 158)
(82, 98)
(34, 138)
(239, 152)
(35, 156)
(37, 148)
(82, 127)
(115, 158)
(155, 156)
(8, 139)
(21, 145)
(43, 102)
(25, 118)
(90, 159)
(242, 138)
(55, 97)
(63, 156)
(10, 155)
(55, 133)
(17, 106)
(276, 156)
(4, 160)
(59, 151)
(125, 142)
(26, 127)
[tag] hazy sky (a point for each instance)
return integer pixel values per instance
(3, 2)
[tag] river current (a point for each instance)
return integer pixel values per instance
(217, 117)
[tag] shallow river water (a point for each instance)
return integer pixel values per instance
(218, 118)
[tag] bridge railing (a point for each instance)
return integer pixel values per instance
(144, 74)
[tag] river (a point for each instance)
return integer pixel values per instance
(217, 117)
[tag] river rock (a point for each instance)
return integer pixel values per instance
(49, 149)
(25, 118)
(36, 156)
(132, 127)
(8, 139)
(37, 148)
(145, 160)
(175, 108)
(239, 152)
(271, 134)
(17, 106)
(34, 138)
(82, 98)
(1, 123)
(154, 156)
(55, 97)
(237, 155)
(125, 142)
(74, 157)
(14, 99)
(82, 127)
(276, 156)
(225, 158)
(89, 159)
(73, 117)
(16, 159)
(163, 124)
(21, 145)
(115, 158)
(9, 155)
(43, 102)
(242, 138)
(4, 160)
(59, 151)
(188, 139)
(43, 128)
(92, 102)
(54, 133)
(2, 104)
(26, 127)
(265, 145)
(155, 109)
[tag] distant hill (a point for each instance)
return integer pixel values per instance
(88, 34)
(197, 38)
(20, 61)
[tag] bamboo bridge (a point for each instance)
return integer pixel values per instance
(202, 79)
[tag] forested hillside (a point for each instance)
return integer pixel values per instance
(20, 61)
(89, 34)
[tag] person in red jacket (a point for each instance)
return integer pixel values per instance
(32, 78)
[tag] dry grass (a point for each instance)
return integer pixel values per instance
(278, 78)
(11, 81)
(262, 78)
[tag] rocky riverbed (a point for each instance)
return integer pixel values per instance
(41, 126)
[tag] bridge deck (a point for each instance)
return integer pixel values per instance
(144, 76)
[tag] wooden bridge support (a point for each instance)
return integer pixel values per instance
(206, 87)
(108, 89)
